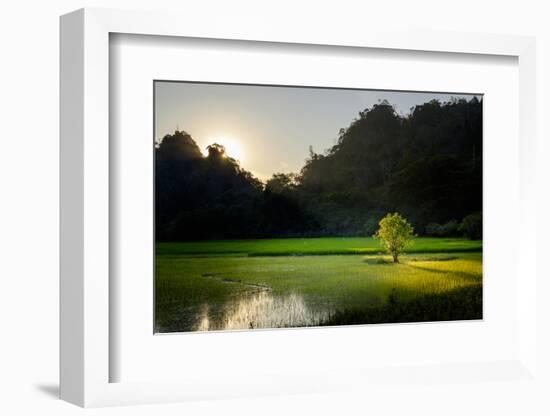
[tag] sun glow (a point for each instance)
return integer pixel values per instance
(233, 148)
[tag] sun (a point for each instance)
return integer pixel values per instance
(233, 147)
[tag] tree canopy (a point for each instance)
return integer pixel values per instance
(395, 233)
(426, 165)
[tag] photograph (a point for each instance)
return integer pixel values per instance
(297, 206)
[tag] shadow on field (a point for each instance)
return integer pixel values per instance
(378, 261)
(456, 305)
(445, 258)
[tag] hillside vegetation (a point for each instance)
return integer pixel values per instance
(425, 165)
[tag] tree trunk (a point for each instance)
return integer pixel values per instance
(395, 259)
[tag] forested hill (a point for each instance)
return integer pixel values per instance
(426, 165)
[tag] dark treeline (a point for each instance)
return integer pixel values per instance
(426, 165)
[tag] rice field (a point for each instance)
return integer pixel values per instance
(244, 284)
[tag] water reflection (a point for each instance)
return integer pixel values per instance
(261, 310)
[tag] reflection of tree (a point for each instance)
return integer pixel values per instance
(261, 310)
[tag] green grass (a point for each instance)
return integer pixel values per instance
(192, 275)
(311, 246)
(457, 304)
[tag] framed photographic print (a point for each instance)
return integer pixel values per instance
(275, 213)
(256, 229)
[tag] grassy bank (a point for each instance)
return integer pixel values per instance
(457, 304)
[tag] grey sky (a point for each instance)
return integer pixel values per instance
(269, 128)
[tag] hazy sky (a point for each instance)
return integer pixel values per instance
(269, 129)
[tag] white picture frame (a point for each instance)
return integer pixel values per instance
(85, 352)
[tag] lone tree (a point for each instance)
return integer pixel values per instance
(395, 233)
